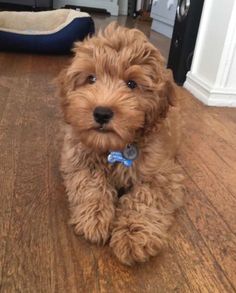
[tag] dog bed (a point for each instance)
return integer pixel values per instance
(43, 32)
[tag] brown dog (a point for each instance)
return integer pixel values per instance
(117, 95)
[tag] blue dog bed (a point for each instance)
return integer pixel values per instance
(43, 32)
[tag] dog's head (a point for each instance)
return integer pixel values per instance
(115, 88)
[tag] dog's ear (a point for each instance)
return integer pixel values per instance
(163, 82)
(62, 83)
(167, 93)
(66, 81)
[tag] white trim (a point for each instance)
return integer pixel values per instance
(212, 97)
(197, 87)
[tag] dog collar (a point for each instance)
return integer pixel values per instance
(126, 158)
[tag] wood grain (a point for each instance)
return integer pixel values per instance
(26, 253)
(12, 107)
(38, 249)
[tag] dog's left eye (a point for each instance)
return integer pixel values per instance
(131, 84)
(91, 79)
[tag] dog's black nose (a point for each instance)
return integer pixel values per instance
(102, 115)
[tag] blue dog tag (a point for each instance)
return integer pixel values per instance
(130, 152)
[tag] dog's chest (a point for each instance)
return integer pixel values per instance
(122, 178)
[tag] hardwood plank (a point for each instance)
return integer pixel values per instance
(208, 183)
(4, 93)
(198, 157)
(221, 170)
(220, 120)
(211, 136)
(215, 152)
(216, 164)
(27, 266)
(162, 274)
(219, 239)
(10, 129)
(200, 269)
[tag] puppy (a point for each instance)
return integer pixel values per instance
(122, 131)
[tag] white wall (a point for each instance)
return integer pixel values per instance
(212, 77)
(215, 27)
(109, 5)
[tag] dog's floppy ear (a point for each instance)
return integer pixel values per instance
(65, 85)
(65, 81)
(167, 93)
(163, 82)
(62, 83)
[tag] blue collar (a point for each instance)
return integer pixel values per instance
(126, 158)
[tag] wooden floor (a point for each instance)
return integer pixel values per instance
(39, 251)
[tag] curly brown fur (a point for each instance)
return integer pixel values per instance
(137, 223)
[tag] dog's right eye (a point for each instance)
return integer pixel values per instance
(131, 84)
(91, 79)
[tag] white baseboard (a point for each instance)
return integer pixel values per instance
(162, 28)
(208, 95)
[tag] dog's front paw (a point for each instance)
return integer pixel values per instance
(136, 237)
(93, 220)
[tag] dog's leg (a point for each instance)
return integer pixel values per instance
(91, 201)
(142, 222)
